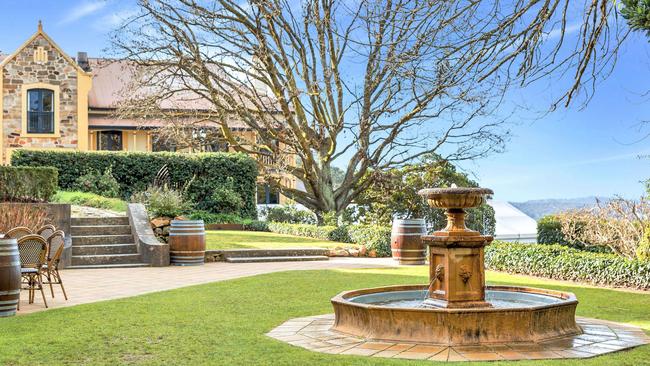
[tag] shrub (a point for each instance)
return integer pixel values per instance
(341, 233)
(374, 237)
(27, 184)
(306, 230)
(136, 171)
(15, 215)
(102, 184)
(618, 224)
(226, 201)
(212, 218)
(162, 201)
(290, 215)
(330, 219)
(563, 263)
(643, 251)
(256, 225)
(90, 200)
(549, 231)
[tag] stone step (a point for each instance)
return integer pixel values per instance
(101, 239)
(105, 249)
(277, 259)
(100, 230)
(286, 252)
(82, 260)
(94, 221)
(99, 266)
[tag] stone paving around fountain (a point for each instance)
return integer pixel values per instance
(600, 337)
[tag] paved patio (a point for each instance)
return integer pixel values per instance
(91, 285)
(599, 337)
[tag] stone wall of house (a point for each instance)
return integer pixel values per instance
(23, 70)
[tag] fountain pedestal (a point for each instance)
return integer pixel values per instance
(456, 254)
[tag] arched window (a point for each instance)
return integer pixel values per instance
(40, 111)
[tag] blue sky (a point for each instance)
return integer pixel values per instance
(568, 153)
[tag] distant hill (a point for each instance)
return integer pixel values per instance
(539, 208)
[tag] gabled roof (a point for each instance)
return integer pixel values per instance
(112, 78)
(40, 32)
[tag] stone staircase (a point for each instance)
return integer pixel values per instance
(274, 255)
(103, 242)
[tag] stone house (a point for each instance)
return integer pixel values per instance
(51, 101)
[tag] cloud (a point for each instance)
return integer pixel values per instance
(111, 21)
(82, 10)
(568, 30)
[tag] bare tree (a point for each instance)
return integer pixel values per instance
(371, 83)
(618, 224)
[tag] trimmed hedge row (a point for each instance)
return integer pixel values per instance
(563, 263)
(27, 184)
(135, 171)
(306, 230)
(371, 236)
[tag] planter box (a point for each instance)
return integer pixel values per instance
(224, 227)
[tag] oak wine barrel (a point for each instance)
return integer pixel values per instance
(406, 241)
(187, 243)
(9, 277)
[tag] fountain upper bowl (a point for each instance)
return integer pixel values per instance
(462, 197)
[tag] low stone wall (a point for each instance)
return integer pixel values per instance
(151, 250)
(59, 215)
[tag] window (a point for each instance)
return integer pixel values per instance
(267, 195)
(40, 111)
(161, 143)
(109, 140)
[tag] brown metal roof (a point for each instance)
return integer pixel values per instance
(111, 80)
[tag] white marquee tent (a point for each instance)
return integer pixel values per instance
(512, 224)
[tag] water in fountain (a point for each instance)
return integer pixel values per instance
(416, 299)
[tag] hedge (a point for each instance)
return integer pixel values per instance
(134, 171)
(27, 184)
(306, 230)
(371, 236)
(549, 231)
(563, 263)
(374, 237)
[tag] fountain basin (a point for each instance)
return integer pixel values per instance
(394, 313)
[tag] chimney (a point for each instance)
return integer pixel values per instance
(82, 61)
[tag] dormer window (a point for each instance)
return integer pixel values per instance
(40, 111)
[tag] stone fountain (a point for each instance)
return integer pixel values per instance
(456, 307)
(456, 317)
(456, 253)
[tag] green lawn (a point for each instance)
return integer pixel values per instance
(224, 323)
(227, 239)
(90, 200)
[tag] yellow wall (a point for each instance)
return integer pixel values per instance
(84, 84)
